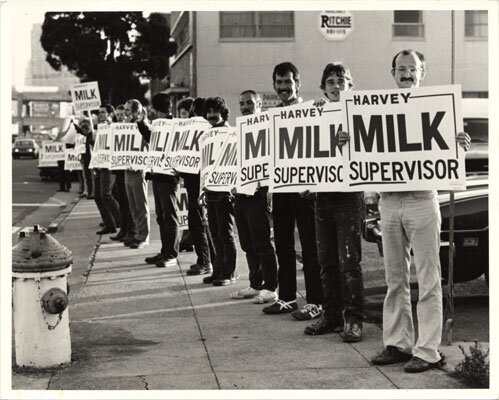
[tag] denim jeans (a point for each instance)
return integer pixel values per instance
(198, 222)
(412, 220)
(288, 209)
(221, 221)
(136, 191)
(338, 228)
(106, 203)
(253, 226)
(165, 202)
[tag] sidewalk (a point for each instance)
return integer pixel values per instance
(135, 326)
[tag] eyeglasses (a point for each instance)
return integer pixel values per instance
(403, 70)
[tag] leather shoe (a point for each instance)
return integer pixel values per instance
(323, 326)
(138, 245)
(209, 279)
(352, 333)
(120, 237)
(417, 364)
(105, 231)
(391, 355)
(200, 270)
(128, 243)
(153, 259)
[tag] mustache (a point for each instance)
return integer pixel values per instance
(407, 79)
(283, 90)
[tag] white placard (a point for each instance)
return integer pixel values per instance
(404, 139)
(253, 152)
(211, 144)
(80, 144)
(183, 207)
(85, 96)
(223, 177)
(185, 148)
(159, 146)
(53, 151)
(304, 150)
(129, 149)
(72, 162)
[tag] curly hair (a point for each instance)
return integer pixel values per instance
(339, 69)
(216, 104)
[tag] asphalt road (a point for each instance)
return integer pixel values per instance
(29, 192)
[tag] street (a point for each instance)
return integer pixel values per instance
(30, 194)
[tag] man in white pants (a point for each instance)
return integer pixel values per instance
(412, 220)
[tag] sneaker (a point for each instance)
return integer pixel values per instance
(323, 326)
(390, 355)
(417, 364)
(153, 259)
(200, 270)
(280, 307)
(352, 333)
(247, 293)
(265, 296)
(308, 311)
(166, 262)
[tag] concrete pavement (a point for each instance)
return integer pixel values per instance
(138, 327)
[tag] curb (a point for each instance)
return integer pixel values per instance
(58, 222)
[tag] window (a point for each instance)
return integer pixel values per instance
(408, 24)
(475, 24)
(257, 24)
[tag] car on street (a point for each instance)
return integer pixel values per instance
(26, 148)
(471, 230)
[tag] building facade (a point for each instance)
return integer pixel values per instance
(222, 53)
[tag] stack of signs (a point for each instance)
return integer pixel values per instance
(404, 139)
(211, 144)
(185, 149)
(304, 150)
(253, 152)
(159, 145)
(129, 150)
(50, 153)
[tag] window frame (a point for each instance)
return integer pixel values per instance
(257, 24)
(405, 37)
(472, 38)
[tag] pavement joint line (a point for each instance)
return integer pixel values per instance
(144, 381)
(203, 339)
(58, 222)
(86, 274)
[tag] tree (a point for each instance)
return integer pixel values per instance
(113, 48)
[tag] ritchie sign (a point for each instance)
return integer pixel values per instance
(335, 25)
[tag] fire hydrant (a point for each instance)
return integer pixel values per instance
(40, 266)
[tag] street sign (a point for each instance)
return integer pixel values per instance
(335, 25)
(85, 96)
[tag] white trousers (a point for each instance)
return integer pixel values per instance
(412, 220)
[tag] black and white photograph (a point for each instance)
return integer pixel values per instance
(255, 200)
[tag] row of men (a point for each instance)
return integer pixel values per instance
(329, 226)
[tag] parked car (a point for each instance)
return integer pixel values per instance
(25, 147)
(471, 230)
(476, 123)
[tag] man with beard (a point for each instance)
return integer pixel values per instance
(253, 226)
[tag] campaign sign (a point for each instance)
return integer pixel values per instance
(211, 143)
(85, 96)
(128, 149)
(53, 151)
(223, 177)
(103, 139)
(404, 139)
(253, 154)
(80, 143)
(182, 207)
(185, 149)
(42, 160)
(159, 145)
(72, 162)
(304, 148)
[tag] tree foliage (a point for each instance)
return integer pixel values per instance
(114, 48)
